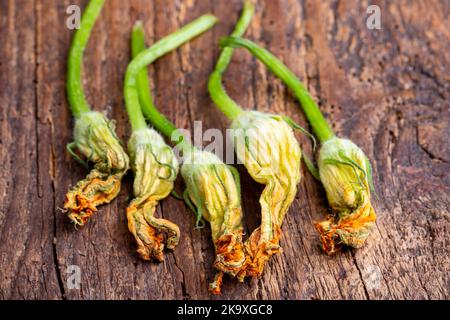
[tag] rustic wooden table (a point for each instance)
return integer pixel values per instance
(387, 90)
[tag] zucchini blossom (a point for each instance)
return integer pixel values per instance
(344, 169)
(266, 145)
(94, 136)
(155, 168)
(153, 161)
(214, 189)
(211, 186)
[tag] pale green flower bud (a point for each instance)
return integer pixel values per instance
(345, 174)
(266, 145)
(213, 187)
(155, 167)
(97, 141)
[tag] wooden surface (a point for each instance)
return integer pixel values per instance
(387, 90)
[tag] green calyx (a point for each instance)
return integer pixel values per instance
(344, 173)
(95, 138)
(151, 159)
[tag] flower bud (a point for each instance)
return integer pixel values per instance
(345, 174)
(214, 189)
(96, 140)
(155, 167)
(266, 145)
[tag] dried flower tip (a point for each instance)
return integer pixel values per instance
(230, 255)
(346, 175)
(82, 200)
(215, 287)
(96, 140)
(213, 187)
(155, 167)
(259, 252)
(266, 145)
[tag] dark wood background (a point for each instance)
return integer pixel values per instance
(387, 90)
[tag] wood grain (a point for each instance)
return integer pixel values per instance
(387, 90)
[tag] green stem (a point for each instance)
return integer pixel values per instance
(143, 86)
(320, 125)
(136, 81)
(135, 115)
(74, 84)
(218, 94)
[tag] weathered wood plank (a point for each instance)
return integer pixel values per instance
(26, 222)
(387, 90)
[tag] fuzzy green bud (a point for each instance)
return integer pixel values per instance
(96, 139)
